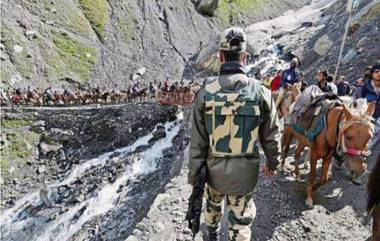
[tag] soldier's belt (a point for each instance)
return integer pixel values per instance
(232, 155)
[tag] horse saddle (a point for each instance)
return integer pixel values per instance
(312, 121)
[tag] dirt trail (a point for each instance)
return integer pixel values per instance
(339, 212)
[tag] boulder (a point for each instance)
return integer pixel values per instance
(207, 58)
(48, 148)
(349, 56)
(208, 7)
(159, 134)
(306, 24)
(138, 74)
(31, 34)
(38, 126)
(18, 49)
(60, 135)
(323, 45)
(131, 238)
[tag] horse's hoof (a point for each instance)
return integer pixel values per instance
(356, 180)
(309, 203)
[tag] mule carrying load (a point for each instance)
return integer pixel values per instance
(181, 96)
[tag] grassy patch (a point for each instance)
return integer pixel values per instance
(126, 27)
(19, 148)
(3, 164)
(16, 149)
(14, 123)
(96, 11)
(66, 15)
(23, 62)
(227, 8)
(77, 57)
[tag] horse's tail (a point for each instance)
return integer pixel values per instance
(374, 187)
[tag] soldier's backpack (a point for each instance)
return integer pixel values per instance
(232, 118)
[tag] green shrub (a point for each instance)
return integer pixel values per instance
(96, 11)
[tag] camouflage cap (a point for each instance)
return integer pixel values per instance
(233, 39)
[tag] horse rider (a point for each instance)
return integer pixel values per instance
(289, 78)
(231, 155)
(167, 84)
(29, 92)
(152, 89)
(115, 89)
(136, 88)
(18, 92)
(68, 92)
(49, 93)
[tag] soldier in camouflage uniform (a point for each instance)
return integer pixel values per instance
(230, 113)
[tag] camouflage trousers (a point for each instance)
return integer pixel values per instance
(241, 212)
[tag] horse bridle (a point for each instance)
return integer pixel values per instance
(342, 148)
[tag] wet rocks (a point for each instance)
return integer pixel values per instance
(67, 137)
(158, 134)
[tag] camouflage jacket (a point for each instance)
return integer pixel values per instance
(234, 174)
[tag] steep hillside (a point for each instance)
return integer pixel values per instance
(104, 42)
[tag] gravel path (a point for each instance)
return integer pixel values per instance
(339, 212)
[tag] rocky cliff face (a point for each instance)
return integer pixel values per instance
(313, 34)
(104, 42)
(361, 49)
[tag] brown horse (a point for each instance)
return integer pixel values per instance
(33, 98)
(71, 99)
(18, 99)
(139, 95)
(373, 205)
(348, 132)
(289, 98)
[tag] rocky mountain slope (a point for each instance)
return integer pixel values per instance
(103, 42)
(313, 34)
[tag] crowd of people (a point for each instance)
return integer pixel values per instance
(138, 91)
(366, 87)
(324, 80)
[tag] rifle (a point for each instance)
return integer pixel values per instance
(194, 211)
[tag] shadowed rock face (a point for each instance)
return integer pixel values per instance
(105, 42)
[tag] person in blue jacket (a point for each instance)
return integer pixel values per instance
(289, 77)
(371, 91)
